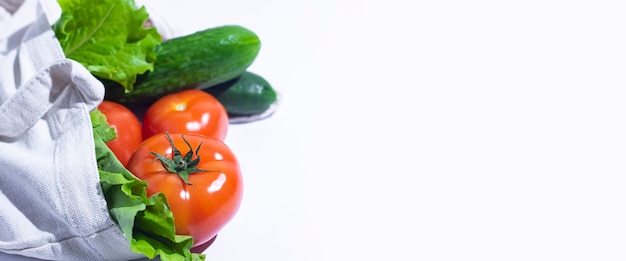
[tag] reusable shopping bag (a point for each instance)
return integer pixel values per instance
(51, 202)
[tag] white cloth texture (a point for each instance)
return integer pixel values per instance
(51, 202)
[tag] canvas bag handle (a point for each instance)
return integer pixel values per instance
(41, 92)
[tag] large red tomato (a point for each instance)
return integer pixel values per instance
(127, 127)
(189, 111)
(200, 176)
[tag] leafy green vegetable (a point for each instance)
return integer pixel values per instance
(147, 222)
(108, 38)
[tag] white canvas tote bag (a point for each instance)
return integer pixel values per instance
(51, 203)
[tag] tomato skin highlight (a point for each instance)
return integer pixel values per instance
(210, 200)
(189, 111)
(127, 127)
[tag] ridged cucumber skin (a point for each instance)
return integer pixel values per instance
(247, 94)
(202, 59)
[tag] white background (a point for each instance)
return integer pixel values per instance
(429, 130)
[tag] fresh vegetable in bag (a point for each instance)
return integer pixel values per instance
(112, 40)
(108, 38)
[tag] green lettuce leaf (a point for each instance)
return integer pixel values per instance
(108, 37)
(147, 222)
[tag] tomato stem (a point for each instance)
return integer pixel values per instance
(179, 164)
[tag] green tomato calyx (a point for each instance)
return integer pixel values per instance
(179, 164)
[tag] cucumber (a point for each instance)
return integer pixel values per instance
(247, 94)
(202, 59)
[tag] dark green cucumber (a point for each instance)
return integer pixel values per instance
(205, 58)
(247, 94)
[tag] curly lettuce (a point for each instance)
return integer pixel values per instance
(108, 37)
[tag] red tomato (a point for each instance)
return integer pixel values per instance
(127, 127)
(189, 111)
(202, 201)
